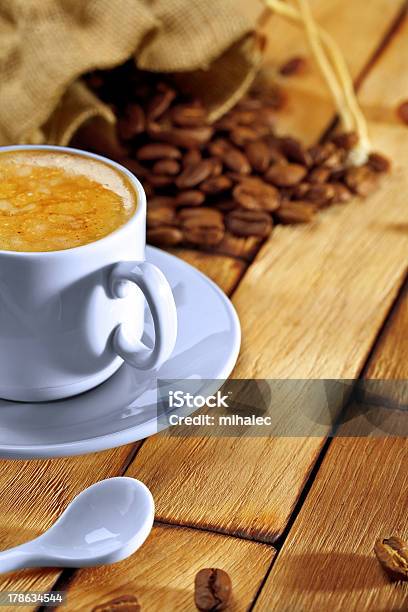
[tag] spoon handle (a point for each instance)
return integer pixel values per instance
(16, 558)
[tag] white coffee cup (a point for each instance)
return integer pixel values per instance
(68, 319)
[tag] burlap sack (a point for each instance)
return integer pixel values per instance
(46, 45)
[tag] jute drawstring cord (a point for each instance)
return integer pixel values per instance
(330, 62)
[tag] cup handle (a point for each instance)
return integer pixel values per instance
(155, 288)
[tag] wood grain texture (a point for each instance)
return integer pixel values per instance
(382, 407)
(360, 494)
(310, 306)
(243, 486)
(328, 562)
(357, 27)
(225, 271)
(390, 356)
(161, 574)
(387, 86)
(35, 493)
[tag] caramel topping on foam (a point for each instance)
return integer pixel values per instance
(54, 201)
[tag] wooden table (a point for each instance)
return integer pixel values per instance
(293, 520)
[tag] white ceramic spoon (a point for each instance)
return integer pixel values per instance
(105, 523)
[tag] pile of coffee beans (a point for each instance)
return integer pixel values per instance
(233, 177)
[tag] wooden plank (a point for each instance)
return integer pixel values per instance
(161, 574)
(380, 95)
(35, 493)
(328, 561)
(231, 485)
(357, 29)
(225, 271)
(310, 307)
(385, 390)
(359, 495)
(390, 357)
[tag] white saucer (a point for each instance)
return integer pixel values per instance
(123, 409)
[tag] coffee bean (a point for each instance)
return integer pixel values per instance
(295, 212)
(166, 166)
(192, 156)
(202, 226)
(321, 152)
(189, 115)
(320, 174)
(243, 117)
(159, 180)
(378, 162)
(212, 590)
(226, 205)
(242, 134)
(392, 553)
(226, 123)
(299, 191)
(218, 147)
(194, 174)
(160, 103)
(160, 200)
(338, 175)
(285, 175)
(258, 154)
(402, 112)
(153, 151)
(125, 603)
(234, 159)
(249, 103)
(236, 177)
(183, 137)
(132, 122)
(249, 223)
(202, 214)
(276, 156)
(341, 193)
(335, 161)
(160, 215)
(345, 140)
(190, 197)
(164, 236)
(294, 151)
(295, 65)
(216, 167)
(255, 194)
(216, 184)
(320, 194)
(361, 180)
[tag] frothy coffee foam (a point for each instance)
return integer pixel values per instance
(53, 201)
